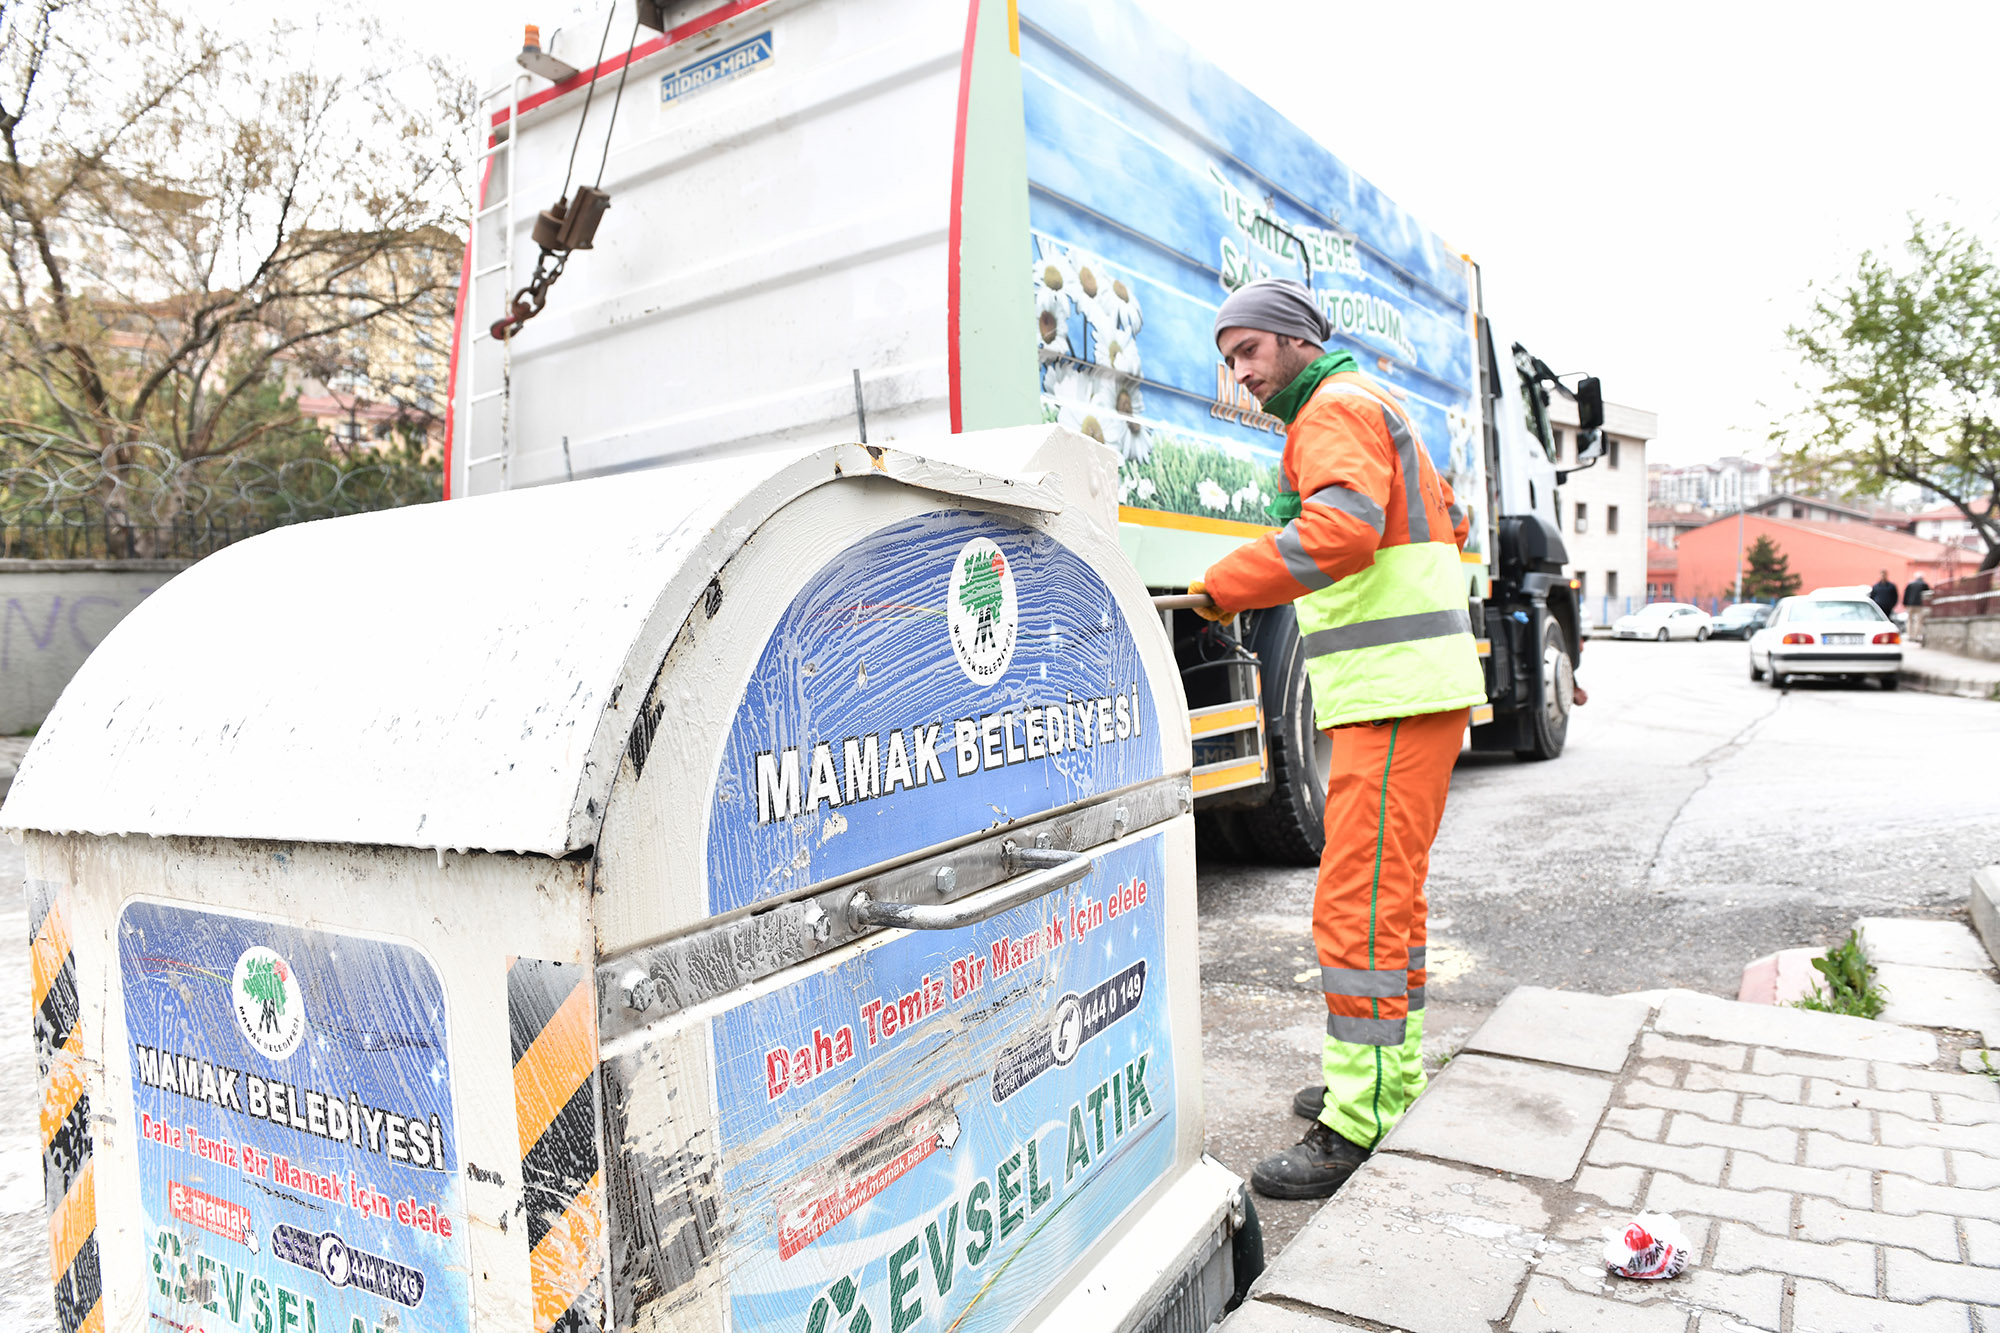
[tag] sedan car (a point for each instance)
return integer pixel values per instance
(1847, 637)
(1663, 621)
(1739, 620)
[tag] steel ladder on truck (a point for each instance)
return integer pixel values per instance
(493, 155)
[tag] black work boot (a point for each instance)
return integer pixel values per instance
(1319, 1164)
(1310, 1102)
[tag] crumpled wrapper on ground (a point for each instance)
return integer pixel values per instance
(1652, 1245)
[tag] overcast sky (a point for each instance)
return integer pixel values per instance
(1648, 189)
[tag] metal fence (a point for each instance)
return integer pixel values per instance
(1610, 608)
(1978, 595)
(143, 502)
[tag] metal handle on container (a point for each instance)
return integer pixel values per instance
(1182, 601)
(1059, 870)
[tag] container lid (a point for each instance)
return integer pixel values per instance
(462, 675)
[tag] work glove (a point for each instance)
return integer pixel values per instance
(1211, 611)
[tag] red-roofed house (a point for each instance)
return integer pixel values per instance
(1947, 523)
(1821, 553)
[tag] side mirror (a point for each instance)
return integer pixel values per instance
(1590, 445)
(1589, 404)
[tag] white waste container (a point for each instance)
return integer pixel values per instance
(752, 894)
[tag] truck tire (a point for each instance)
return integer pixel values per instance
(1217, 836)
(1548, 720)
(1290, 828)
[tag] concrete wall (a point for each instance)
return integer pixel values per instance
(1972, 636)
(52, 613)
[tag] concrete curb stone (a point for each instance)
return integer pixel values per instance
(1986, 909)
(1920, 943)
(1957, 686)
(1691, 1014)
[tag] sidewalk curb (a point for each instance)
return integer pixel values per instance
(1959, 687)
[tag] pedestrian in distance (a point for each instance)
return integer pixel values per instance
(1916, 599)
(1883, 594)
(1369, 556)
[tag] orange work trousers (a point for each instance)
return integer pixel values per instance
(1384, 801)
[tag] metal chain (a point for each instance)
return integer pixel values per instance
(528, 302)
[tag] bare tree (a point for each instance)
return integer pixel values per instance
(188, 217)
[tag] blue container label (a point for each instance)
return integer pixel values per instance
(948, 674)
(931, 1133)
(298, 1159)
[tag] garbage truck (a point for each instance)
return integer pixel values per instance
(804, 220)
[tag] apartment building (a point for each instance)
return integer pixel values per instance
(1603, 508)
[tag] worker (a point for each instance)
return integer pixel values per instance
(1369, 553)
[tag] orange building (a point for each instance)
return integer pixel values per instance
(1663, 573)
(1822, 554)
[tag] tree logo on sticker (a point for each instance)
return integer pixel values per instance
(270, 1006)
(983, 611)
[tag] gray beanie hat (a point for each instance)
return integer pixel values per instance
(1276, 305)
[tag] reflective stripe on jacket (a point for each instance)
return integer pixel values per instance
(1371, 561)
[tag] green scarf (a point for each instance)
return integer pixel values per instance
(1285, 405)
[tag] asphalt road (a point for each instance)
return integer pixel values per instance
(1695, 821)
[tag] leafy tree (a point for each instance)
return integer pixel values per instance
(1903, 369)
(1767, 572)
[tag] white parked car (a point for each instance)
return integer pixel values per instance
(1663, 621)
(1827, 636)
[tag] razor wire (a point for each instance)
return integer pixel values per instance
(143, 501)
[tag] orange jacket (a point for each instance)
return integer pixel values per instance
(1349, 467)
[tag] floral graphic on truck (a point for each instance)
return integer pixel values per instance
(1088, 323)
(1087, 327)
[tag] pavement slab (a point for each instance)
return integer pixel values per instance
(1506, 1115)
(1938, 997)
(1563, 1028)
(1414, 1245)
(1834, 1175)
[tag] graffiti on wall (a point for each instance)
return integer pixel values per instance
(53, 623)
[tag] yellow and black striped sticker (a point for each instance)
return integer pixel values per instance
(552, 1011)
(66, 1159)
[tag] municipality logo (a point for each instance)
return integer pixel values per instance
(270, 1006)
(983, 611)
